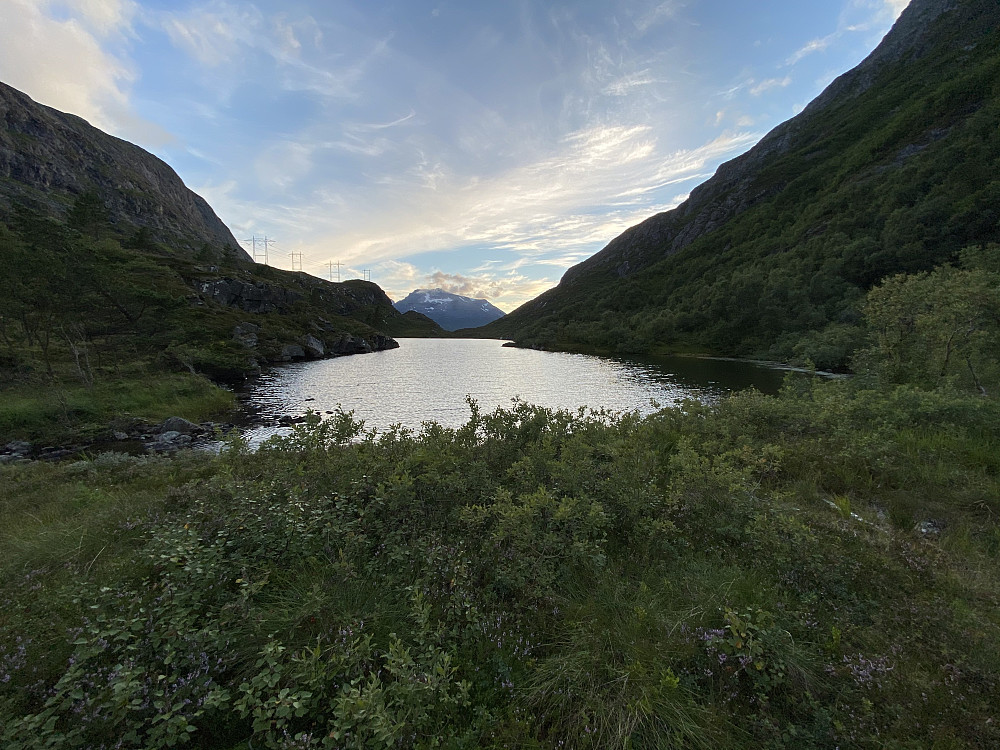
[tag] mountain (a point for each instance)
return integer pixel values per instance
(50, 159)
(111, 268)
(450, 311)
(893, 168)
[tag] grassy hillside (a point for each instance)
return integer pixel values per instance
(899, 178)
(92, 322)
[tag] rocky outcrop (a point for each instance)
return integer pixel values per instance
(246, 334)
(252, 297)
(341, 345)
(49, 158)
(314, 346)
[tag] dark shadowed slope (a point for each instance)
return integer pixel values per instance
(892, 169)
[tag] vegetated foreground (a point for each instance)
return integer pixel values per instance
(812, 570)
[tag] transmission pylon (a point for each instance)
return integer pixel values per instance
(330, 266)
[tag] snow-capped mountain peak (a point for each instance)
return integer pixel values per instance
(450, 311)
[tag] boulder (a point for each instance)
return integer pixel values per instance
(291, 351)
(178, 425)
(18, 447)
(348, 344)
(314, 347)
(246, 334)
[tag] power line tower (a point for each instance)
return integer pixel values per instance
(259, 246)
(267, 245)
(296, 261)
(330, 266)
(367, 273)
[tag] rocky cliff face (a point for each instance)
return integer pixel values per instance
(48, 159)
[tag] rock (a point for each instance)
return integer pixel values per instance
(249, 297)
(168, 441)
(930, 527)
(18, 448)
(178, 425)
(314, 346)
(349, 344)
(291, 351)
(119, 435)
(246, 334)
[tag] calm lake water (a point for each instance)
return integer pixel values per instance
(427, 380)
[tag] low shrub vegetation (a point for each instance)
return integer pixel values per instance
(810, 570)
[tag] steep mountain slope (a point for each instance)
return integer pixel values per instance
(109, 265)
(892, 169)
(49, 159)
(450, 311)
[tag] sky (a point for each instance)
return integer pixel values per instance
(479, 147)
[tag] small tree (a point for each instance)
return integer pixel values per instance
(931, 328)
(89, 215)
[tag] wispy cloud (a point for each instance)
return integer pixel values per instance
(552, 212)
(816, 45)
(658, 13)
(214, 34)
(770, 83)
(629, 83)
(505, 288)
(71, 56)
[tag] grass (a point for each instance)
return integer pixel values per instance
(56, 411)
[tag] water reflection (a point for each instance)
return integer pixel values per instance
(428, 380)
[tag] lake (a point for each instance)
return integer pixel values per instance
(427, 380)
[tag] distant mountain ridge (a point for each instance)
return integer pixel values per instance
(450, 311)
(48, 159)
(895, 167)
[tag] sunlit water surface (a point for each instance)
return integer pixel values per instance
(428, 380)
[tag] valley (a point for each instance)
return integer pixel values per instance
(810, 564)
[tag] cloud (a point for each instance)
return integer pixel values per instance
(83, 69)
(660, 12)
(103, 16)
(627, 84)
(816, 45)
(547, 214)
(505, 289)
(240, 39)
(468, 286)
(896, 6)
(770, 83)
(217, 33)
